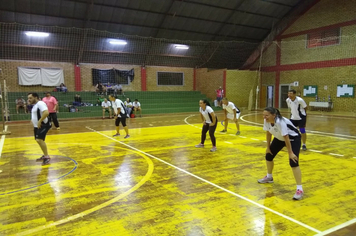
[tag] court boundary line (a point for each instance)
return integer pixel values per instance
(48, 182)
(145, 178)
(336, 228)
(2, 141)
(349, 137)
(208, 182)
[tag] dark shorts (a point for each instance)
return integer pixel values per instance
(121, 119)
(40, 133)
(300, 123)
(218, 99)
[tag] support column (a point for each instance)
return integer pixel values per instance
(77, 78)
(143, 79)
(224, 83)
(278, 72)
(195, 79)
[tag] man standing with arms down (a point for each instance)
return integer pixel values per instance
(120, 115)
(52, 104)
(41, 124)
(298, 114)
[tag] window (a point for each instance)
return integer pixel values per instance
(324, 38)
(170, 78)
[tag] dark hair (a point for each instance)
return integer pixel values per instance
(129, 99)
(206, 102)
(112, 95)
(274, 111)
(293, 91)
(136, 99)
(35, 95)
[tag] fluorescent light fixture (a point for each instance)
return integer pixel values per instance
(178, 46)
(118, 42)
(37, 34)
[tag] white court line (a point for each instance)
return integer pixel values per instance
(208, 182)
(335, 154)
(255, 139)
(312, 150)
(355, 157)
(228, 142)
(242, 137)
(336, 228)
(2, 141)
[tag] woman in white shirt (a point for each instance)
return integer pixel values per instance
(210, 121)
(285, 134)
(128, 105)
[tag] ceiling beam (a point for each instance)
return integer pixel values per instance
(277, 3)
(175, 15)
(230, 9)
(153, 27)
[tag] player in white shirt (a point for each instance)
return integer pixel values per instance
(231, 112)
(41, 124)
(298, 114)
(210, 122)
(120, 115)
(137, 107)
(285, 134)
(106, 105)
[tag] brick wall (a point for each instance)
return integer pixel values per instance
(208, 81)
(151, 72)
(9, 72)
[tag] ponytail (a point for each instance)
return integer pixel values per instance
(206, 102)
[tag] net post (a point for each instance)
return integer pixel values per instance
(4, 108)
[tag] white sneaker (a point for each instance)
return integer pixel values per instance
(213, 149)
(298, 195)
(265, 180)
(199, 145)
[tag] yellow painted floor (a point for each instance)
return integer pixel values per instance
(158, 183)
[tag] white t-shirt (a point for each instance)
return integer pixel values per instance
(280, 128)
(118, 104)
(106, 104)
(34, 116)
(137, 104)
(128, 104)
(230, 108)
(206, 114)
(293, 105)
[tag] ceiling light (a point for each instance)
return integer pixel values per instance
(37, 34)
(118, 42)
(185, 47)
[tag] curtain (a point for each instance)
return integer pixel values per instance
(40, 76)
(52, 77)
(29, 76)
(112, 76)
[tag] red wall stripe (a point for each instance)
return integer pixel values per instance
(195, 79)
(224, 83)
(342, 24)
(312, 65)
(143, 79)
(77, 78)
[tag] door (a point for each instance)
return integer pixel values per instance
(283, 95)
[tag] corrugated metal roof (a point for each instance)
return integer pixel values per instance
(247, 21)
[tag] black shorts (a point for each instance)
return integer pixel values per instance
(121, 119)
(300, 123)
(40, 133)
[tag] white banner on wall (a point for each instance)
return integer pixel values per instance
(40, 76)
(52, 76)
(29, 76)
